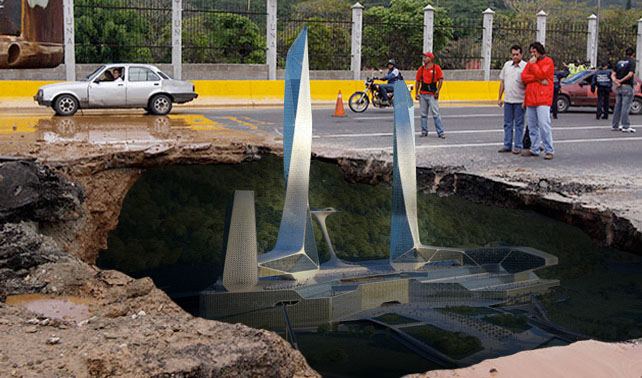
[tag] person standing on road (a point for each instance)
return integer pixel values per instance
(557, 86)
(623, 79)
(538, 77)
(393, 75)
(513, 89)
(602, 81)
(427, 86)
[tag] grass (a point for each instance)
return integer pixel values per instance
(455, 345)
(392, 319)
(515, 324)
(359, 356)
(603, 305)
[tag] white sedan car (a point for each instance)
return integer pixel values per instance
(118, 86)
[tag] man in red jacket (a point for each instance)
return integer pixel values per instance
(538, 77)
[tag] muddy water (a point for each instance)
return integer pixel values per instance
(99, 131)
(63, 308)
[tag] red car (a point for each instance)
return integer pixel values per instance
(576, 91)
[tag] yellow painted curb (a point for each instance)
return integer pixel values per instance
(19, 94)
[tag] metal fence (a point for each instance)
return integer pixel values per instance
(229, 31)
(566, 42)
(219, 33)
(508, 33)
(614, 40)
(463, 50)
(122, 31)
(328, 41)
(383, 41)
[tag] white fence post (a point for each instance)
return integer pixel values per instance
(487, 42)
(591, 40)
(177, 38)
(270, 54)
(429, 27)
(541, 27)
(70, 44)
(355, 53)
(638, 49)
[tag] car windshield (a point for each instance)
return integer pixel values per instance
(163, 75)
(92, 75)
(575, 78)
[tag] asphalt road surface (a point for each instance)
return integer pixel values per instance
(583, 145)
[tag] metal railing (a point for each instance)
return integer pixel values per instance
(217, 34)
(328, 41)
(566, 42)
(463, 51)
(122, 31)
(383, 41)
(229, 31)
(507, 34)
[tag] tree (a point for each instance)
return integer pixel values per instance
(106, 35)
(397, 33)
(221, 38)
(328, 44)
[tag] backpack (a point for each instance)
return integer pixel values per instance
(428, 87)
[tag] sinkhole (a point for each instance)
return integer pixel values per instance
(172, 229)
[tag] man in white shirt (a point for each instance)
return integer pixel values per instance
(513, 89)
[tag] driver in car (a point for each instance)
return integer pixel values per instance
(117, 74)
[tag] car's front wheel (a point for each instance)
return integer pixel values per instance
(563, 103)
(65, 105)
(636, 106)
(160, 104)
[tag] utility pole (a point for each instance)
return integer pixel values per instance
(597, 35)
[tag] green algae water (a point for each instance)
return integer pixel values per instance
(172, 226)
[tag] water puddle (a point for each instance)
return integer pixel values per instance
(63, 308)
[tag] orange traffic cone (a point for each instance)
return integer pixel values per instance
(338, 109)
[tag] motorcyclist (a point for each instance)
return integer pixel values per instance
(393, 75)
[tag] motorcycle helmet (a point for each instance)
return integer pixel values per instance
(392, 61)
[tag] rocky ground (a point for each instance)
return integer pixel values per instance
(88, 322)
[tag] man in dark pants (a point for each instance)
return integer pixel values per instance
(602, 80)
(557, 85)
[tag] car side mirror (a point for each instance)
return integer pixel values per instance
(97, 81)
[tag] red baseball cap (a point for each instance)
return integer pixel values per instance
(430, 55)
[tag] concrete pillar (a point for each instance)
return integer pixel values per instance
(591, 40)
(487, 42)
(68, 35)
(541, 27)
(429, 27)
(270, 54)
(355, 51)
(177, 38)
(638, 50)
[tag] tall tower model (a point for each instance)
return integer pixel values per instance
(406, 250)
(295, 254)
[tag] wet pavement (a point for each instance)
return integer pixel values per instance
(45, 136)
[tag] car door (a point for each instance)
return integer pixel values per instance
(142, 82)
(107, 94)
(588, 97)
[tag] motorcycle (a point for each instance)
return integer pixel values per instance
(360, 100)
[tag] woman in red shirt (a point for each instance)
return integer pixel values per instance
(538, 77)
